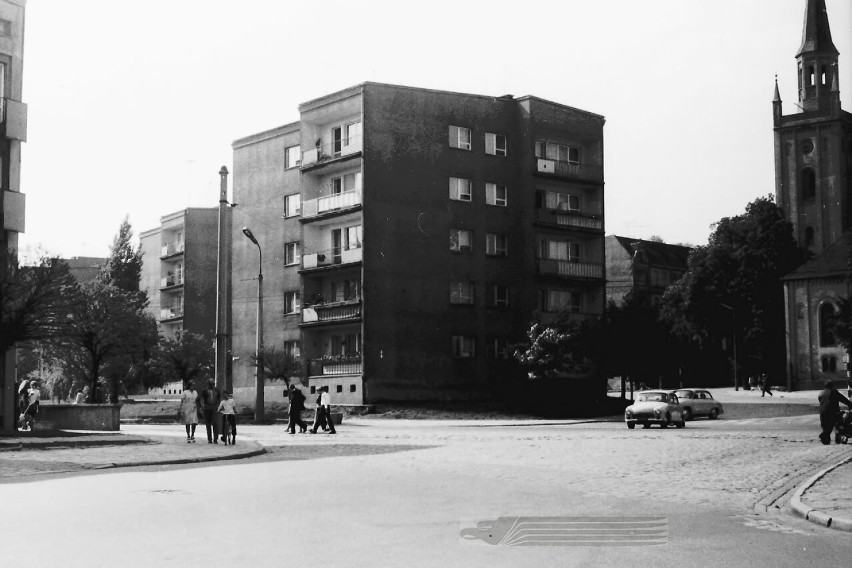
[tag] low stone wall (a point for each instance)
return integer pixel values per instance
(106, 417)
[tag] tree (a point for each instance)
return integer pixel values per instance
(734, 283)
(561, 348)
(35, 301)
(185, 357)
(279, 364)
(123, 269)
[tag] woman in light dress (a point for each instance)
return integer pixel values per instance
(189, 404)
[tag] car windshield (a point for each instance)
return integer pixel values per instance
(653, 397)
(684, 394)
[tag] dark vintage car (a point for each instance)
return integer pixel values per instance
(698, 402)
(654, 407)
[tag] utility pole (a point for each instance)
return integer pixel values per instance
(260, 372)
(223, 281)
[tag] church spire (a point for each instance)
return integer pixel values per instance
(817, 60)
(816, 34)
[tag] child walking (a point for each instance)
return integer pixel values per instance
(229, 418)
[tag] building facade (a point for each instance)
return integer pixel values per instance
(410, 236)
(813, 185)
(643, 269)
(13, 131)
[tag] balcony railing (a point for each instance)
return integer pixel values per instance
(324, 152)
(170, 249)
(335, 365)
(569, 169)
(167, 281)
(334, 311)
(331, 257)
(171, 313)
(329, 203)
(567, 219)
(569, 268)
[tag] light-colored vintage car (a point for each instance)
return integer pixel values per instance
(697, 402)
(654, 407)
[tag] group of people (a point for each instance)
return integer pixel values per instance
(760, 382)
(322, 418)
(28, 396)
(215, 406)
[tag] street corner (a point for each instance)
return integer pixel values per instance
(825, 499)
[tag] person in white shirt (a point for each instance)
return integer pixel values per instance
(33, 396)
(325, 402)
(229, 418)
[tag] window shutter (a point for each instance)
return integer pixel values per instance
(454, 136)
(490, 143)
(454, 188)
(490, 193)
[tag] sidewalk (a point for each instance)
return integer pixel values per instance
(36, 453)
(826, 498)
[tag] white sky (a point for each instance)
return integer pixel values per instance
(133, 105)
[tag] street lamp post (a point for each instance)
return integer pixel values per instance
(734, 317)
(259, 370)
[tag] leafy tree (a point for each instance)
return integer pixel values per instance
(36, 301)
(185, 357)
(123, 269)
(734, 283)
(279, 364)
(560, 348)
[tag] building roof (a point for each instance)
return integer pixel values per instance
(816, 35)
(653, 252)
(836, 260)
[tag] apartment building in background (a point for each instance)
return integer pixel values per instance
(641, 268)
(13, 131)
(410, 236)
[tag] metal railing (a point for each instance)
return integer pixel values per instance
(167, 281)
(320, 205)
(337, 149)
(349, 366)
(330, 257)
(171, 248)
(569, 169)
(333, 311)
(569, 268)
(567, 219)
(171, 313)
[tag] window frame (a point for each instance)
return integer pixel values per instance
(500, 300)
(288, 209)
(288, 159)
(457, 142)
(462, 292)
(455, 189)
(493, 146)
(292, 302)
(464, 346)
(459, 247)
(491, 194)
(496, 244)
(296, 254)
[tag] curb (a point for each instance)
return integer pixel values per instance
(182, 461)
(806, 512)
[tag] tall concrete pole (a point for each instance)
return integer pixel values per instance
(223, 283)
(260, 371)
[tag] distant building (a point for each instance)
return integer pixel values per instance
(813, 185)
(179, 275)
(13, 131)
(410, 235)
(642, 268)
(85, 268)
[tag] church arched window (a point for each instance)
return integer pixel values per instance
(808, 184)
(826, 319)
(809, 236)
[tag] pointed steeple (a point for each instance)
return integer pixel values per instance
(816, 34)
(777, 98)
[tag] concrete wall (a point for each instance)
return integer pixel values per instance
(201, 234)
(105, 417)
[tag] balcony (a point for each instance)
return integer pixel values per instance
(348, 310)
(170, 281)
(572, 170)
(569, 269)
(331, 203)
(568, 219)
(335, 365)
(333, 151)
(171, 249)
(331, 257)
(171, 313)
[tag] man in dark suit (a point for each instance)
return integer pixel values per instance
(210, 398)
(829, 408)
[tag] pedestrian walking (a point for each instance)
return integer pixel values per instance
(229, 418)
(319, 415)
(210, 399)
(188, 411)
(33, 396)
(829, 410)
(325, 402)
(764, 385)
(297, 404)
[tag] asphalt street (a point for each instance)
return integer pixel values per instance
(401, 493)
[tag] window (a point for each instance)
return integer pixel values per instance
(460, 189)
(336, 185)
(292, 157)
(460, 137)
(809, 236)
(463, 347)
(562, 201)
(500, 297)
(336, 140)
(6, 28)
(496, 245)
(561, 301)
(560, 250)
(291, 254)
(352, 237)
(461, 292)
(800, 311)
(495, 144)
(496, 194)
(498, 348)
(826, 321)
(808, 184)
(829, 364)
(292, 205)
(293, 349)
(352, 134)
(558, 152)
(461, 240)
(292, 302)
(345, 290)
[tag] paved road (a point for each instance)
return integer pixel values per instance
(398, 493)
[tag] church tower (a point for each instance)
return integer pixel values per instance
(813, 147)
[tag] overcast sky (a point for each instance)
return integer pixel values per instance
(133, 105)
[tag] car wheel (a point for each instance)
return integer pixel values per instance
(687, 414)
(645, 425)
(714, 413)
(682, 422)
(664, 423)
(631, 425)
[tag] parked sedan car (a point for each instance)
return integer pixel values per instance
(696, 402)
(655, 407)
